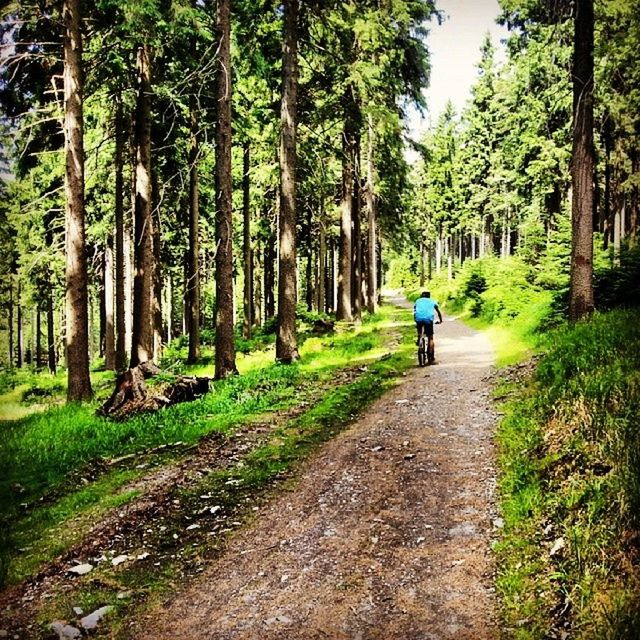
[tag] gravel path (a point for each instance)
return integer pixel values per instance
(387, 533)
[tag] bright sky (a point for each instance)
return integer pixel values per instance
(454, 48)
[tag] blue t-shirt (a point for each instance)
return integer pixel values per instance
(425, 309)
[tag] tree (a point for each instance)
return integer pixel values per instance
(582, 165)
(142, 332)
(286, 343)
(225, 354)
(79, 383)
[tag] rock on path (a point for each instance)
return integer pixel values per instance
(387, 533)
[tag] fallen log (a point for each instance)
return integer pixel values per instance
(131, 394)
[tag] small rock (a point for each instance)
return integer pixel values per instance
(284, 578)
(91, 621)
(278, 620)
(378, 448)
(420, 539)
(65, 631)
(557, 546)
(498, 523)
(191, 527)
(81, 569)
(122, 595)
(119, 559)
(215, 509)
(78, 611)
(142, 556)
(409, 456)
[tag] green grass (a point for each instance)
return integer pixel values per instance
(570, 468)
(45, 454)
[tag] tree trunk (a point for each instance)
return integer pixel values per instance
(225, 351)
(51, 337)
(38, 357)
(246, 242)
(77, 321)
(372, 295)
(286, 342)
(635, 201)
(120, 326)
(322, 263)
(309, 289)
(11, 345)
(192, 300)
(143, 285)
(109, 336)
(346, 221)
(331, 278)
(582, 165)
(156, 299)
(257, 295)
(439, 252)
(269, 276)
(356, 278)
(422, 264)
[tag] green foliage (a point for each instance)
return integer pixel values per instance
(570, 460)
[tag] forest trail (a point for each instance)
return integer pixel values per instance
(385, 535)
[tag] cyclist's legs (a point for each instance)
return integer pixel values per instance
(431, 344)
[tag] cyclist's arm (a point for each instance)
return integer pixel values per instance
(439, 314)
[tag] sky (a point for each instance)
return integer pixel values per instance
(454, 48)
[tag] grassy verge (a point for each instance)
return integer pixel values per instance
(45, 457)
(570, 487)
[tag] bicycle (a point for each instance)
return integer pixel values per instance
(426, 349)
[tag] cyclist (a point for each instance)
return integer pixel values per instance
(424, 311)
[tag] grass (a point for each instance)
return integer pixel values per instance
(570, 462)
(44, 455)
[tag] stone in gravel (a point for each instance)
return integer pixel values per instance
(278, 620)
(119, 559)
(91, 621)
(65, 631)
(81, 569)
(498, 523)
(78, 611)
(557, 547)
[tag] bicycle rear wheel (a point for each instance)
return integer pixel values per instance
(422, 352)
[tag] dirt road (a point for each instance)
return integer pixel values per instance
(386, 534)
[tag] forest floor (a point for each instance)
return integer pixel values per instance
(384, 532)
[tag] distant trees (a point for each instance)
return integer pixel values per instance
(522, 156)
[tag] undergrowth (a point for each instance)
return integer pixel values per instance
(570, 488)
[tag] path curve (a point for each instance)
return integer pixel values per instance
(386, 534)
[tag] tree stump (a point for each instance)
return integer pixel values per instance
(131, 395)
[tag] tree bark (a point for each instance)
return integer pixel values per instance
(286, 341)
(11, 337)
(344, 311)
(269, 276)
(582, 165)
(225, 352)
(109, 336)
(356, 277)
(20, 358)
(143, 290)
(156, 298)
(372, 278)
(51, 338)
(77, 321)
(192, 299)
(309, 266)
(120, 326)
(322, 264)
(38, 338)
(246, 242)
